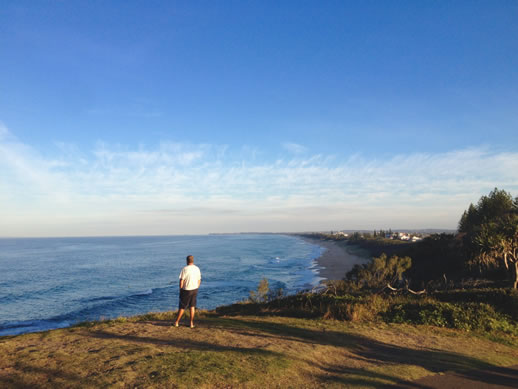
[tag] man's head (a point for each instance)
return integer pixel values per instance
(189, 259)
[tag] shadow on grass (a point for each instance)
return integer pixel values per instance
(23, 373)
(360, 377)
(362, 348)
(20, 378)
(181, 343)
(334, 374)
(372, 351)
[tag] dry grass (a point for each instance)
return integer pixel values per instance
(240, 352)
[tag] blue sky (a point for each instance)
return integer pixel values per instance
(173, 117)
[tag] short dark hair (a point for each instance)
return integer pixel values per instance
(190, 259)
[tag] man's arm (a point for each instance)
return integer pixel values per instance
(181, 283)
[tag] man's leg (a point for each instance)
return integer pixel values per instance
(180, 314)
(192, 317)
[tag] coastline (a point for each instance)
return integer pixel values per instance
(338, 258)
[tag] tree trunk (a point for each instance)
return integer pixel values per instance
(515, 274)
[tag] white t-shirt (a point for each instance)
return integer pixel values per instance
(191, 275)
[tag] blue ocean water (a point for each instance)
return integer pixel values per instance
(55, 282)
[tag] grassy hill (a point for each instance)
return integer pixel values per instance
(243, 351)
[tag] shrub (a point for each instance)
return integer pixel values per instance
(379, 271)
(502, 300)
(261, 295)
(464, 316)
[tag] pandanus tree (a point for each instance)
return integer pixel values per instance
(498, 241)
(490, 230)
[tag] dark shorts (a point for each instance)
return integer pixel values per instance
(188, 298)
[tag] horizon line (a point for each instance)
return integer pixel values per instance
(447, 230)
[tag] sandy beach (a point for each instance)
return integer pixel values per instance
(338, 259)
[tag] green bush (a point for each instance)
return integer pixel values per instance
(503, 300)
(379, 271)
(464, 316)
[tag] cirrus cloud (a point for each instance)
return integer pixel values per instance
(198, 188)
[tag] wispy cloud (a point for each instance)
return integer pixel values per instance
(294, 148)
(189, 188)
(3, 131)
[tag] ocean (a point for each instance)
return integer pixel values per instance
(48, 283)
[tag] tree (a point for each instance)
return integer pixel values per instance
(489, 208)
(379, 271)
(498, 240)
(261, 295)
(468, 220)
(355, 236)
(490, 230)
(436, 256)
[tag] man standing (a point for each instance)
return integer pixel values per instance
(190, 280)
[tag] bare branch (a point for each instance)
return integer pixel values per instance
(407, 289)
(419, 292)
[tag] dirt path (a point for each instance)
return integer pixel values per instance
(493, 378)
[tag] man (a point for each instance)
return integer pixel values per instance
(190, 280)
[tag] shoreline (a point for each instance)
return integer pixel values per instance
(337, 259)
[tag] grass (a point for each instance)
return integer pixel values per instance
(242, 351)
